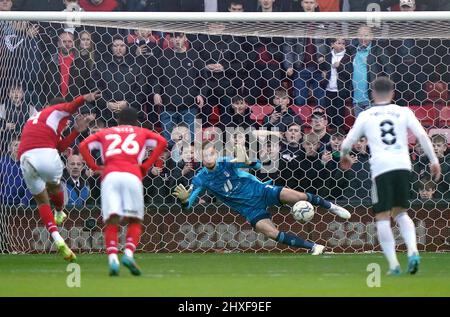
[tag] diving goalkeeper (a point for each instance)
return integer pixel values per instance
(247, 195)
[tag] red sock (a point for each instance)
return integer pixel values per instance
(111, 238)
(47, 217)
(58, 200)
(134, 231)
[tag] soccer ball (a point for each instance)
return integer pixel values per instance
(303, 211)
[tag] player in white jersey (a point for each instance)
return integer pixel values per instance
(385, 125)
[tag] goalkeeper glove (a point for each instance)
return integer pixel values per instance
(182, 193)
(241, 155)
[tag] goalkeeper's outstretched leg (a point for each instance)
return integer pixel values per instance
(290, 197)
(267, 227)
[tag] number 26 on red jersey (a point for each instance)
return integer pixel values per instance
(118, 146)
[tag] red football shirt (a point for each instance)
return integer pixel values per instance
(123, 148)
(44, 129)
(107, 5)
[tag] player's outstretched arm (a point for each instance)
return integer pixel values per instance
(85, 146)
(182, 193)
(72, 107)
(188, 196)
(424, 140)
(81, 124)
(242, 160)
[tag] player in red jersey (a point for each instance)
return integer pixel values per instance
(123, 149)
(39, 148)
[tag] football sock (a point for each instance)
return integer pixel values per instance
(113, 258)
(318, 201)
(111, 238)
(293, 240)
(387, 242)
(133, 235)
(58, 200)
(408, 232)
(45, 212)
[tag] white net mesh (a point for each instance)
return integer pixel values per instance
(259, 75)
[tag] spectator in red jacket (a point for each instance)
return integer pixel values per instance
(58, 68)
(99, 5)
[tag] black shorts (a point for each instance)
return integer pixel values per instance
(391, 189)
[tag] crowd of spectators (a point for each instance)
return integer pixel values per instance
(172, 79)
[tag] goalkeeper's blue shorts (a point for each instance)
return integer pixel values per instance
(268, 196)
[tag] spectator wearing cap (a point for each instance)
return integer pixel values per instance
(339, 84)
(181, 86)
(282, 115)
(319, 125)
(120, 80)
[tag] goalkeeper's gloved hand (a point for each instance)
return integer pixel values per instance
(182, 193)
(241, 155)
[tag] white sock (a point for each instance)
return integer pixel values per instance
(408, 232)
(57, 237)
(387, 242)
(113, 258)
(128, 252)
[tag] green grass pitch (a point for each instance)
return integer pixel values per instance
(230, 275)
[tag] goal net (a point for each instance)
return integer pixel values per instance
(286, 85)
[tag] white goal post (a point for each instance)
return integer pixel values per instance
(249, 23)
(259, 57)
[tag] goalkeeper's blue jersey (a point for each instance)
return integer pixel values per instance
(234, 187)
